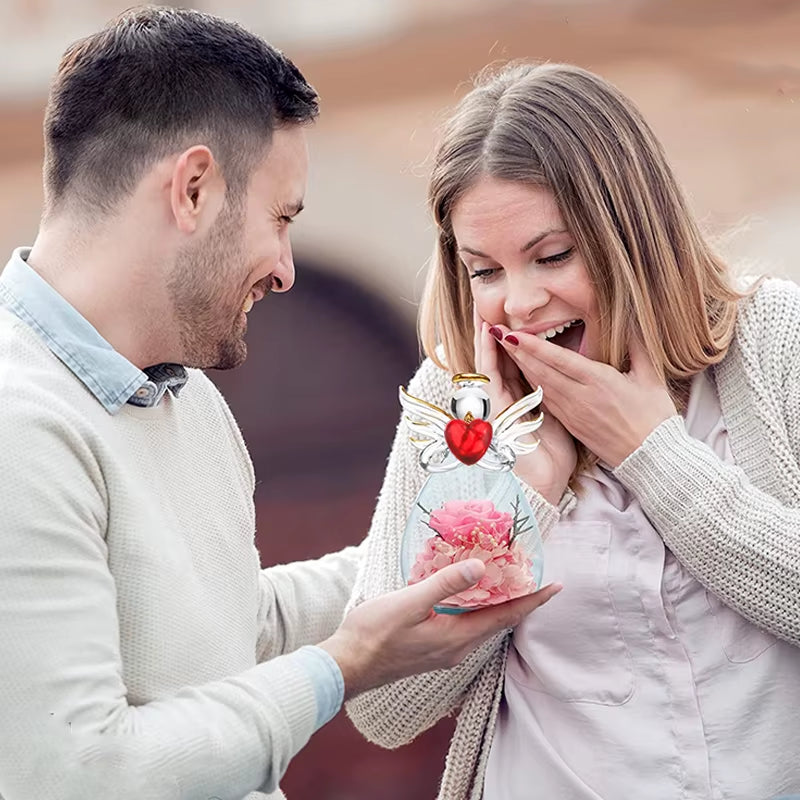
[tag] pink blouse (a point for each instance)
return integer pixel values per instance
(636, 682)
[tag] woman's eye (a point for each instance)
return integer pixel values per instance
(482, 274)
(554, 259)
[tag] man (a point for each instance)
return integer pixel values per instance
(144, 653)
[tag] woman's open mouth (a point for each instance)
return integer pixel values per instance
(569, 335)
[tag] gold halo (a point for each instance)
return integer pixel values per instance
(470, 376)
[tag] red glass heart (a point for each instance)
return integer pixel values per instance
(468, 441)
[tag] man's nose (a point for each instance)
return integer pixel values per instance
(283, 276)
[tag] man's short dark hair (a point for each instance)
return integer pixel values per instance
(157, 80)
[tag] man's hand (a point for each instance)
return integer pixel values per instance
(398, 634)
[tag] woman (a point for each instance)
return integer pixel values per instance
(666, 485)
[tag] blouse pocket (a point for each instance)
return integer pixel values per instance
(573, 648)
(741, 640)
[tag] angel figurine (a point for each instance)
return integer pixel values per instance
(472, 505)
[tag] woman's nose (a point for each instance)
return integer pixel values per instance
(523, 298)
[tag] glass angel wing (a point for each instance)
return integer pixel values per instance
(429, 426)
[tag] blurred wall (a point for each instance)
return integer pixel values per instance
(719, 80)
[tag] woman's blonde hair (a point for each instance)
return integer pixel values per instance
(653, 273)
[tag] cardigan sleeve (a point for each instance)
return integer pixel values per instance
(67, 728)
(738, 531)
(740, 542)
(395, 714)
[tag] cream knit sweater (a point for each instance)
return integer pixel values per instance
(736, 528)
(141, 643)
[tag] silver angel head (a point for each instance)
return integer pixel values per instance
(470, 401)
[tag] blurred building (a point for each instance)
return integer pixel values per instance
(719, 80)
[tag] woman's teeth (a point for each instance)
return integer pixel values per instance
(248, 303)
(551, 332)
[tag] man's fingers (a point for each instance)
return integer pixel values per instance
(510, 614)
(532, 601)
(448, 581)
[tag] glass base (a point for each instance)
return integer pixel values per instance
(452, 610)
(470, 512)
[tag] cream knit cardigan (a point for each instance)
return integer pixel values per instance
(736, 528)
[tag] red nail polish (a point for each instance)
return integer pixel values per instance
(496, 332)
(511, 339)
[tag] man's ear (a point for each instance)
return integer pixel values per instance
(197, 190)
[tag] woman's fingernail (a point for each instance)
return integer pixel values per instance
(511, 339)
(496, 332)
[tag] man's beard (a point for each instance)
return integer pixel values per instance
(210, 320)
